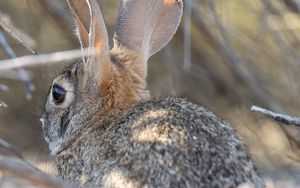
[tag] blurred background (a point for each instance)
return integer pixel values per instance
(227, 55)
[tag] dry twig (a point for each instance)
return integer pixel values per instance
(187, 35)
(4, 87)
(236, 63)
(7, 146)
(23, 74)
(2, 104)
(35, 177)
(34, 60)
(292, 121)
(57, 11)
(24, 39)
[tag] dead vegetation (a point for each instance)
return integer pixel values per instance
(227, 55)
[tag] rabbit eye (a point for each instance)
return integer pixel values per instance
(58, 94)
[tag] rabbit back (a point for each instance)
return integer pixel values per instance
(166, 142)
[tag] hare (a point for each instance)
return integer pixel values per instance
(105, 131)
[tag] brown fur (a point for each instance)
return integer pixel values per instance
(122, 84)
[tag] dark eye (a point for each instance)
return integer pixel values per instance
(58, 94)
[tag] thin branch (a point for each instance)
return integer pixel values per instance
(285, 51)
(23, 74)
(11, 75)
(42, 59)
(35, 177)
(12, 149)
(2, 104)
(187, 35)
(292, 121)
(7, 146)
(57, 11)
(16, 33)
(4, 87)
(8, 50)
(293, 5)
(236, 63)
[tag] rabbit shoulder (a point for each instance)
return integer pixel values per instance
(166, 142)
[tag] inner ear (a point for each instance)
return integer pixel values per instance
(146, 26)
(92, 35)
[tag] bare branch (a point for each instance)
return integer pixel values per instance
(292, 121)
(2, 104)
(34, 60)
(23, 74)
(11, 148)
(11, 75)
(16, 33)
(236, 63)
(8, 146)
(34, 176)
(57, 11)
(293, 5)
(187, 35)
(4, 87)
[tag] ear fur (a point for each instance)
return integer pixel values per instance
(92, 35)
(142, 29)
(146, 26)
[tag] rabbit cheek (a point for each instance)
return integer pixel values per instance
(64, 123)
(49, 131)
(52, 134)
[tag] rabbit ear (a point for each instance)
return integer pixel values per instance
(92, 32)
(146, 26)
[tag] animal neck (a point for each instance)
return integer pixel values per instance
(125, 84)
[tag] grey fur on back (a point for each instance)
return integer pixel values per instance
(166, 142)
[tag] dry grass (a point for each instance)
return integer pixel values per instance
(236, 54)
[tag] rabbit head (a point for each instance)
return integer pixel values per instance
(110, 79)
